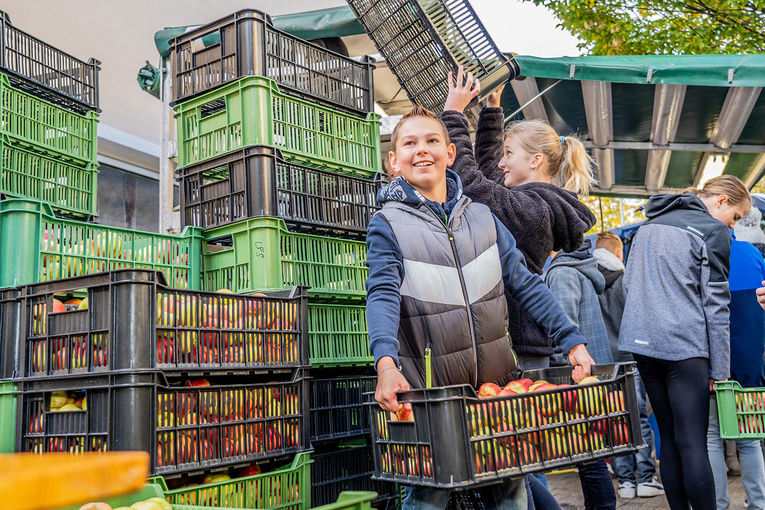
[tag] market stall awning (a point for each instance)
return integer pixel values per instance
(652, 122)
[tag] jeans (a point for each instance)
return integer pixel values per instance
(750, 458)
(541, 497)
(533, 362)
(639, 467)
(597, 488)
(508, 495)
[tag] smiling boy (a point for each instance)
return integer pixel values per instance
(438, 267)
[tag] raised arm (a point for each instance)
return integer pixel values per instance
(488, 143)
(489, 137)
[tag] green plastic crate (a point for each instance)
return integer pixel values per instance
(260, 253)
(36, 246)
(288, 487)
(337, 335)
(741, 411)
(351, 500)
(44, 126)
(348, 500)
(252, 111)
(8, 399)
(69, 188)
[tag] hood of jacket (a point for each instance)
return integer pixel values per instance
(399, 190)
(569, 218)
(609, 265)
(583, 261)
(664, 202)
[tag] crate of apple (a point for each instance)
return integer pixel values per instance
(456, 437)
(71, 326)
(740, 411)
(185, 426)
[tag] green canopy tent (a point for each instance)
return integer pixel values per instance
(651, 122)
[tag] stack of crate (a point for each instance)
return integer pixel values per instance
(49, 111)
(279, 162)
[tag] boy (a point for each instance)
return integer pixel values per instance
(575, 281)
(438, 268)
(635, 473)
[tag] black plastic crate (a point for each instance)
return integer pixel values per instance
(257, 181)
(422, 40)
(458, 441)
(133, 321)
(348, 468)
(36, 67)
(337, 407)
(247, 44)
(184, 428)
(11, 352)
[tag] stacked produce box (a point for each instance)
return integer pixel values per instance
(49, 111)
(279, 163)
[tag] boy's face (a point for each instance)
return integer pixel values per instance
(421, 155)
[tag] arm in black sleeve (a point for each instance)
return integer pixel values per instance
(489, 143)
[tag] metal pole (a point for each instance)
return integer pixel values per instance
(167, 221)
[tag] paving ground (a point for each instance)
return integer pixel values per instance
(566, 489)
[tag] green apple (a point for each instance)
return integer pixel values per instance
(162, 502)
(83, 304)
(146, 505)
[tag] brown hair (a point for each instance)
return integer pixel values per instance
(730, 186)
(567, 158)
(417, 111)
(609, 241)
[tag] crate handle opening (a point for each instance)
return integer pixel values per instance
(217, 174)
(222, 243)
(205, 41)
(213, 107)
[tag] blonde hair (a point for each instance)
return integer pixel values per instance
(566, 157)
(609, 241)
(418, 111)
(728, 185)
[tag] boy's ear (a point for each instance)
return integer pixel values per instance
(451, 155)
(393, 161)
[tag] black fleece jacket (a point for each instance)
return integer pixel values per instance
(542, 217)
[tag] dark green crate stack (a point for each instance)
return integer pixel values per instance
(49, 111)
(279, 162)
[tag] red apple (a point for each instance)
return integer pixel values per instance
(525, 381)
(488, 389)
(404, 412)
(58, 306)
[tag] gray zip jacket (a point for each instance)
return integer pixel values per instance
(676, 285)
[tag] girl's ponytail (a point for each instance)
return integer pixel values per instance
(576, 170)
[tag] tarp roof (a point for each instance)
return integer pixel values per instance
(651, 121)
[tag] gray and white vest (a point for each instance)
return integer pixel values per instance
(452, 295)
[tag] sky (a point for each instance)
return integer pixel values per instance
(524, 28)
